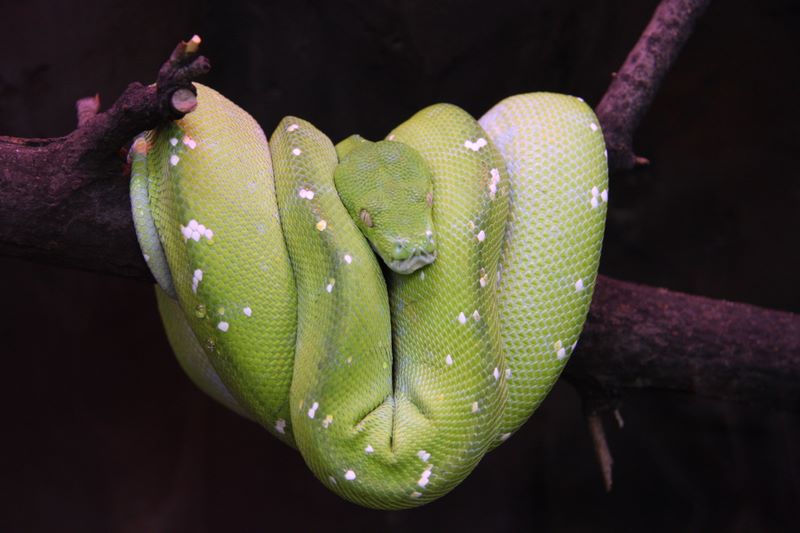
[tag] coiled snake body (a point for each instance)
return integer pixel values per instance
(392, 387)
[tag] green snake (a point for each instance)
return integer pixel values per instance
(392, 381)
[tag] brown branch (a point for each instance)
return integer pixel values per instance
(634, 87)
(64, 200)
(640, 337)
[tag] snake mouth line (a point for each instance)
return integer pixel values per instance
(413, 263)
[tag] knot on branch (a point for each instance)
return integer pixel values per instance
(174, 86)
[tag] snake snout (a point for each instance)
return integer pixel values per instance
(413, 258)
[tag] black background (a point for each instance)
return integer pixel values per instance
(102, 432)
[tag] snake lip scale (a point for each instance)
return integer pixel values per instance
(391, 383)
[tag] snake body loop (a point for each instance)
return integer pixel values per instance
(391, 388)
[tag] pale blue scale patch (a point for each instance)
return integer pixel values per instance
(143, 221)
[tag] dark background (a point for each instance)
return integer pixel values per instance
(102, 432)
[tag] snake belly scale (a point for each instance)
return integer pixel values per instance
(392, 387)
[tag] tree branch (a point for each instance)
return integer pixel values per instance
(634, 87)
(641, 337)
(65, 201)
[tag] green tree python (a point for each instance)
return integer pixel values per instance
(392, 309)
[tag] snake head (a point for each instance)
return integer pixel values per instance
(386, 187)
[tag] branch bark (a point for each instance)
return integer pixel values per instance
(642, 337)
(634, 87)
(65, 201)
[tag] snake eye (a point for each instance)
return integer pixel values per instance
(365, 218)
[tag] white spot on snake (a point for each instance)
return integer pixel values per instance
(579, 285)
(425, 477)
(188, 141)
(223, 326)
(332, 480)
(328, 421)
(495, 179)
(593, 202)
(605, 153)
(297, 151)
(173, 141)
(416, 494)
(313, 410)
(448, 360)
(604, 195)
(197, 277)
(329, 287)
(595, 191)
(146, 258)
(348, 258)
(481, 236)
(504, 436)
(496, 373)
(423, 456)
(321, 225)
(292, 127)
(483, 281)
(349, 475)
(477, 145)
(280, 426)
(421, 274)
(574, 344)
(579, 99)
(475, 407)
(593, 126)
(194, 230)
(247, 311)
(306, 193)
(561, 353)
(173, 160)
(390, 137)
(462, 318)
(476, 315)
(369, 449)
(508, 373)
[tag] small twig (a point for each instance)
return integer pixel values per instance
(86, 108)
(634, 86)
(601, 449)
(143, 107)
(618, 418)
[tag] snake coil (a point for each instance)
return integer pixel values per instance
(392, 387)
